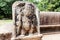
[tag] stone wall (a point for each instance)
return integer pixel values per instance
(50, 22)
(31, 37)
(26, 21)
(49, 18)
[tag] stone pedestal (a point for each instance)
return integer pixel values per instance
(31, 37)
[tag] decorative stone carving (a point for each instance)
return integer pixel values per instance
(26, 18)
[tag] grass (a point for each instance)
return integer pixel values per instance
(2, 22)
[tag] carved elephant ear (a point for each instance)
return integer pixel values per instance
(17, 18)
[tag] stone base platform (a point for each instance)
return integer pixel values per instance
(30, 37)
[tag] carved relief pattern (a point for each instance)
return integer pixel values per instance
(25, 19)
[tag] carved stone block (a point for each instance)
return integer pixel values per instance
(26, 18)
(6, 36)
(32, 37)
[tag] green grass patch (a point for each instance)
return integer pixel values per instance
(2, 22)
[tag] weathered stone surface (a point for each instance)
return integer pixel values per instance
(31, 37)
(26, 18)
(50, 22)
(6, 36)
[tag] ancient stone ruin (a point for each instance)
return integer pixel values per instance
(50, 22)
(26, 21)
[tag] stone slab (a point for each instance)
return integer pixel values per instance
(30, 37)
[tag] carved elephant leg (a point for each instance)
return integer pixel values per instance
(18, 23)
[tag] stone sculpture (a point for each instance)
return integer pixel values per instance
(26, 18)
